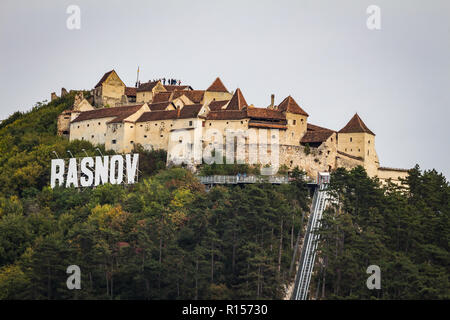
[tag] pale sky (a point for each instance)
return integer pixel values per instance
(319, 51)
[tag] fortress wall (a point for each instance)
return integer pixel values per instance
(389, 173)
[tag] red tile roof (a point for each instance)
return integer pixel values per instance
(355, 125)
(190, 111)
(237, 102)
(227, 115)
(289, 105)
(112, 112)
(130, 91)
(313, 127)
(147, 86)
(161, 97)
(196, 96)
(217, 105)
(263, 113)
(159, 106)
(103, 79)
(171, 88)
(217, 86)
(316, 136)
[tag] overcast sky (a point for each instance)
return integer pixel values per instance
(320, 52)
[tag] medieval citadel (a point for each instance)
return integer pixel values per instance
(121, 117)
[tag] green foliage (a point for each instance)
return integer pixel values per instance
(404, 230)
(166, 238)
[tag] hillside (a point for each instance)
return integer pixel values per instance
(166, 238)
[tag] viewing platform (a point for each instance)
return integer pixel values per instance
(240, 179)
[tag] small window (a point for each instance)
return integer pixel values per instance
(131, 142)
(92, 136)
(190, 123)
(82, 138)
(242, 122)
(209, 124)
(345, 149)
(140, 126)
(66, 117)
(294, 122)
(351, 139)
(156, 124)
(359, 150)
(88, 125)
(369, 141)
(78, 127)
(99, 123)
(145, 136)
(227, 122)
(367, 152)
(161, 136)
(302, 120)
(331, 139)
(131, 126)
(114, 141)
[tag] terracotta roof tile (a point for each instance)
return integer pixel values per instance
(227, 115)
(237, 102)
(190, 111)
(217, 105)
(263, 113)
(196, 96)
(313, 127)
(124, 111)
(159, 106)
(130, 91)
(289, 105)
(161, 97)
(147, 86)
(217, 86)
(171, 88)
(316, 136)
(103, 79)
(355, 125)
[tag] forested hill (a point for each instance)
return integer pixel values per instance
(166, 238)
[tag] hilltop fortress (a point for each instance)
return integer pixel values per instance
(121, 117)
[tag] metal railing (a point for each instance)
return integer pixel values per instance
(237, 179)
(308, 256)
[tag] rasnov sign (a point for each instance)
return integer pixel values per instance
(90, 171)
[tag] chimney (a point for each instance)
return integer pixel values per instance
(272, 101)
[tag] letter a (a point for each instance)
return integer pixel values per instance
(374, 281)
(374, 20)
(73, 281)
